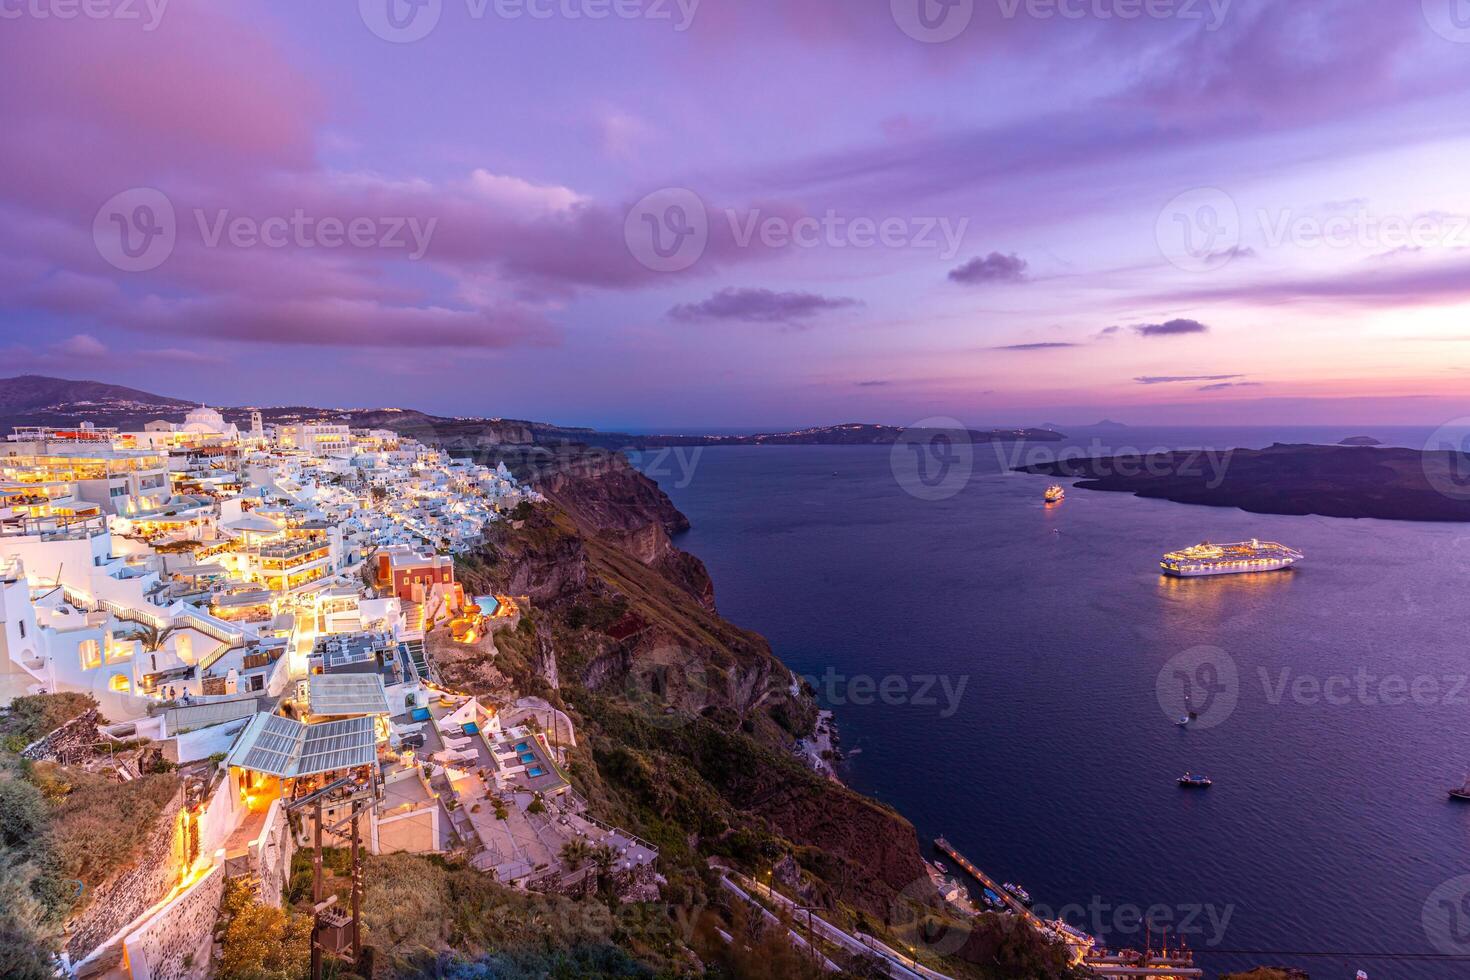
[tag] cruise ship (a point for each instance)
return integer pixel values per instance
(1229, 559)
(1054, 494)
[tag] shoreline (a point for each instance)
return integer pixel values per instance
(819, 750)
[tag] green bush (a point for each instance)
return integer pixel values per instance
(40, 714)
(260, 942)
(22, 813)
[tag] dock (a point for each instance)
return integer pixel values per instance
(1013, 903)
(1162, 966)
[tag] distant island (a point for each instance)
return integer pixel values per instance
(1360, 441)
(1331, 481)
(848, 434)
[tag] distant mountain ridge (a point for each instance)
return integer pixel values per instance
(38, 400)
(36, 392)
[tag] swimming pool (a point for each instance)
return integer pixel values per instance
(535, 771)
(523, 746)
(528, 758)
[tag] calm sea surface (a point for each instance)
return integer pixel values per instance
(1327, 829)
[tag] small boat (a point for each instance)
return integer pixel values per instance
(1192, 781)
(1184, 720)
(1463, 791)
(1055, 494)
(994, 900)
(940, 866)
(1020, 893)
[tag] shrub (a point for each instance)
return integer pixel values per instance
(22, 813)
(98, 825)
(260, 942)
(36, 715)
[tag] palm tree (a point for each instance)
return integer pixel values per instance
(575, 853)
(153, 638)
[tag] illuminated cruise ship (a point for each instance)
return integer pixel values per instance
(1229, 559)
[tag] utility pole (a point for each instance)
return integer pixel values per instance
(316, 895)
(356, 888)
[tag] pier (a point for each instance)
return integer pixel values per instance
(1129, 963)
(1012, 902)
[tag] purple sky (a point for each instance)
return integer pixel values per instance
(1168, 211)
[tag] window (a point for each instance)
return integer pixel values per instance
(119, 683)
(22, 629)
(91, 653)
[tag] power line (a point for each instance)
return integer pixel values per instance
(1442, 957)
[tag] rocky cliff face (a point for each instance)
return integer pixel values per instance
(690, 719)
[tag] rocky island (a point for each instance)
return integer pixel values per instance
(1331, 481)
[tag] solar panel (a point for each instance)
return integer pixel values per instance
(279, 746)
(346, 694)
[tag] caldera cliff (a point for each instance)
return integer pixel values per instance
(685, 722)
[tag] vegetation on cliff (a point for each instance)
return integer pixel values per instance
(63, 832)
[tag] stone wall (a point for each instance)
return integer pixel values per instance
(175, 943)
(128, 894)
(273, 857)
(70, 743)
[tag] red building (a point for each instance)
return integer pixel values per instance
(412, 576)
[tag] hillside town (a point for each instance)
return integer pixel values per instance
(256, 609)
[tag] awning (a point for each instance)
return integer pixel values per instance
(278, 746)
(346, 694)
